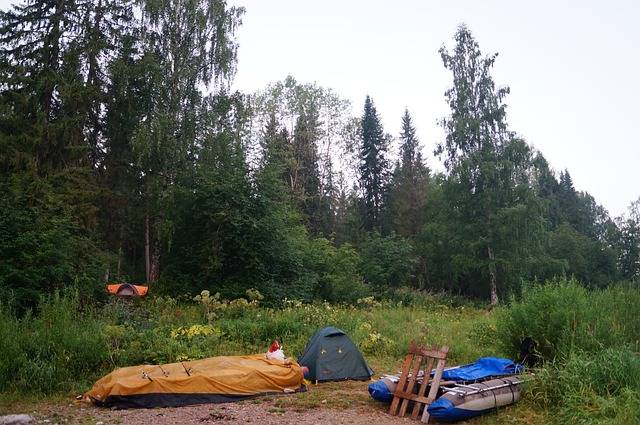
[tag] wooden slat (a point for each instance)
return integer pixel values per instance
(436, 354)
(413, 348)
(419, 359)
(400, 387)
(414, 397)
(435, 385)
(417, 362)
(423, 388)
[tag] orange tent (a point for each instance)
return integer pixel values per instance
(127, 289)
(212, 380)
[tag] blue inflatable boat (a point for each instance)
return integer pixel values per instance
(482, 369)
(467, 401)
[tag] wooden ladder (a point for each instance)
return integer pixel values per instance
(419, 359)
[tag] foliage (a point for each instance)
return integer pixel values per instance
(387, 261)
(42, 246)
(127, 158)
(56, 349)
(562, 317)
(65, 346)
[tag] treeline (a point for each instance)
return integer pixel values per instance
(125, 156)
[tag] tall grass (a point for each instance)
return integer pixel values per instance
(562, 316)
(65, 346)
(55, 349)
(589, 339)
(589, 342)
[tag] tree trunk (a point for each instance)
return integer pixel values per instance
(492, 277)
(147, 259)
(154, 272)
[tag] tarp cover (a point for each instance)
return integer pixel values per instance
(330, 355)
(483, 368)
(215, 379)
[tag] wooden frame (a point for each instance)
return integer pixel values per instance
(419, 359)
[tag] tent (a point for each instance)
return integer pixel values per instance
(212, 380)
(330, 355)
(127, 290)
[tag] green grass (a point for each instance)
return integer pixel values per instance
(588, 338)
(589, 342)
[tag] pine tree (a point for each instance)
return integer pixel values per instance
(409, 183)
(307, 187)
(373, 165)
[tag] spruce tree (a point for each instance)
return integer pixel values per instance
(307, 187)
(409, 183)
(374, 168)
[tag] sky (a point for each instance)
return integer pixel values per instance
(572, 67)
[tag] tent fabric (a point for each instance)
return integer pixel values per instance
(216, 379)
(483, 368)
(330, 355)
(127, 289)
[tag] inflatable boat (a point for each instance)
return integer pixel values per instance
(467, 401)
(481, 370)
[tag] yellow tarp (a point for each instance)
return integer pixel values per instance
(225, 376)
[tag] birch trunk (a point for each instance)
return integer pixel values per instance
(493, 288)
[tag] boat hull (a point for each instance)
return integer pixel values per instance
(465, 402)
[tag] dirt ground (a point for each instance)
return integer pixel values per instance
(232, 413)
(332, 403)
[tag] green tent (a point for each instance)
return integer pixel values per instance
(330, 355)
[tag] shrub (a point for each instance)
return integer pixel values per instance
(561, 316)
(60, 347)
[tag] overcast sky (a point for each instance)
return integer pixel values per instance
(573, 69)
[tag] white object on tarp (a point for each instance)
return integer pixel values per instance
(275, 355)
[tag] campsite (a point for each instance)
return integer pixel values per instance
(85, 345)
(301, 212)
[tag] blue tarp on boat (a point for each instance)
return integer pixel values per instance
(483, 368)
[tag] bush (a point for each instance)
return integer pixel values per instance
(53, 351)
(562, 316)
(332, 272)
(589, 340)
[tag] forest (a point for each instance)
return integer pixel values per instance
(126, 157)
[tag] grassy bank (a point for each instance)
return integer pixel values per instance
(588, 341)
(589, 347)
(65, 346)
